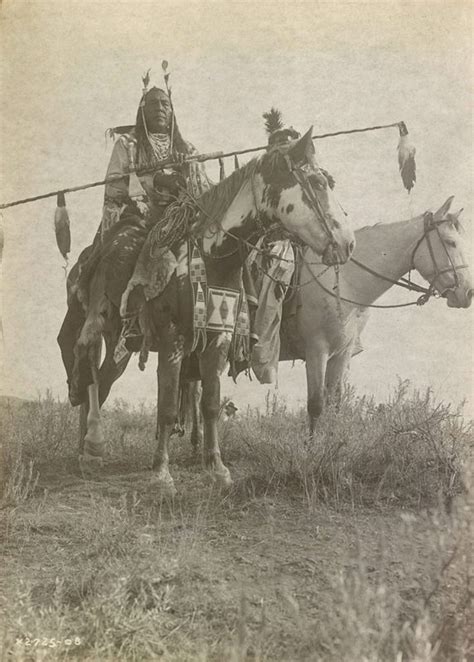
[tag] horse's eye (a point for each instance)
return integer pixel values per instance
(451, 243)
(317, 183)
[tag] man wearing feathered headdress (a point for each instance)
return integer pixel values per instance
(133, 204)
(139, 199)
(272, 280)
(155, 137)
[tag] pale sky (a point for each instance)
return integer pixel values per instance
(70, 70)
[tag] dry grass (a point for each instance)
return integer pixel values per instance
(409, 451)
(356, 545)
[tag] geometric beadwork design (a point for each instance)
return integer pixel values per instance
(222, 306)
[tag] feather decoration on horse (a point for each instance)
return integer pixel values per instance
(406, 158)
(62, 227)
(273, 121)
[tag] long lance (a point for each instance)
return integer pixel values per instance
(220, 155)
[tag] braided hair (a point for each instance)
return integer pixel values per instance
(146, 156)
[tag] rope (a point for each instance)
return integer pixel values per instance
(240, 240)
(167, 163)
(174, 225)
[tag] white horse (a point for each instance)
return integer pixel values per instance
(328, 332)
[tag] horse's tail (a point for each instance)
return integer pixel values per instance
(77, 369)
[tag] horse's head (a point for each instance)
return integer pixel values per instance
(295, 192)
(440, 257)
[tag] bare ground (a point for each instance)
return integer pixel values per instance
(110, 569)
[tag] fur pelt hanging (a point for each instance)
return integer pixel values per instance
(62, 226)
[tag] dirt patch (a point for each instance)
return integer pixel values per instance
(134, 575)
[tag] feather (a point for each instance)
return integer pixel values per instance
(146, 79)
(62, 226)
(273, 121)
(406, 159)
(119, 130)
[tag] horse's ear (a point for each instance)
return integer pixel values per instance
(303, 148)
(443, 210)
(454, 218)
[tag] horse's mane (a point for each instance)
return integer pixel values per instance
(369, 227)
(382, 224)
(217, 199)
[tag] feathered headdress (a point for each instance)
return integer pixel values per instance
(273, 121)
(277, 133)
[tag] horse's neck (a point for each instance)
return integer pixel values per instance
(385, 249)
(241, 209)
(238, 220)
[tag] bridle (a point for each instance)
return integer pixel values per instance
(275, 230)
(431, 225)
(299, 172)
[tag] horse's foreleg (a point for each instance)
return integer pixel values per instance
(93, 447)
(83, 412)
(336, 368)
(195, 393)
(110, 370)
(169, 366)
(316, 362)
(212, 364)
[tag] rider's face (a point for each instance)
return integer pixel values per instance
(157, 112)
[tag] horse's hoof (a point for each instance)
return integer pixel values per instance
(90, 465)
(222, 478)
(94, 448)
(164, 482)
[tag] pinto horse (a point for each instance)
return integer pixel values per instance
(283, 191)
(327, 335)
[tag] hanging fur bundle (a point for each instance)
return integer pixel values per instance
(406, 158)
(62, 227)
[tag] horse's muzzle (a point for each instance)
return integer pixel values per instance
(459, 298)
(335, 254)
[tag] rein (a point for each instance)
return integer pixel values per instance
(419, 302)
(266, 231)
(402, 282)
(429, 225)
